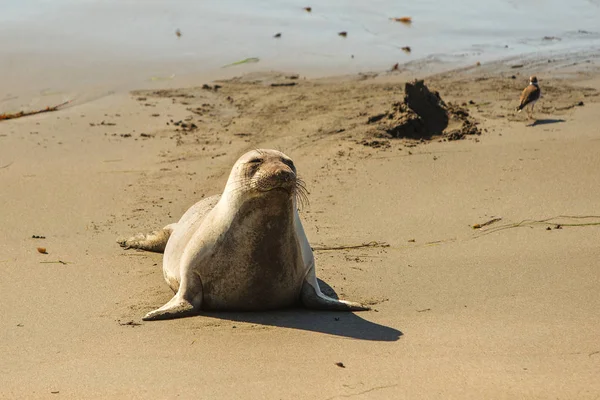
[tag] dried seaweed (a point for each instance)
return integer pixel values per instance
(20, 114)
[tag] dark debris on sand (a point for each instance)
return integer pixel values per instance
(422, 114)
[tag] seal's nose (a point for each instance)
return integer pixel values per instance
(285, 176)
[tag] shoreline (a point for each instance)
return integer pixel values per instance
(416, 69)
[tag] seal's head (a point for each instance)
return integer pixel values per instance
(264, 171)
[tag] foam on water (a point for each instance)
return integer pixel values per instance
(65, 45)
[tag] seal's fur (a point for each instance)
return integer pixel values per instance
(244, 249)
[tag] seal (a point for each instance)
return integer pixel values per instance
(242, 250)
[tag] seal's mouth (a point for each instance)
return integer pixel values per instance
(283, 180)
(293, 188)
(279, 189)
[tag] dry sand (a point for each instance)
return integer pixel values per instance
(460, 313)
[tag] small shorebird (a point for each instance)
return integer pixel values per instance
(530, 95)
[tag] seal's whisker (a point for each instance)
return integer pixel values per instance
(240, 183)
(300, 184)
(239, 188)
(301, 193)
(300, 201)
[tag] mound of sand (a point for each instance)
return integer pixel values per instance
(424, 115)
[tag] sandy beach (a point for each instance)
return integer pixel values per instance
(506, 311)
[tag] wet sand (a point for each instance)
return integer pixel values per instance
(86, 49)
(500, 312)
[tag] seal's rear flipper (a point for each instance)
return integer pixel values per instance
(155, 241)
(312, 297)
(175, 308)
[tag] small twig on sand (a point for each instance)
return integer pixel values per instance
(129, 323)
(491, 221)
(20, 114)
(358, 246)
(547, 221)
(440, 241)
(56, 262)
(7, 165)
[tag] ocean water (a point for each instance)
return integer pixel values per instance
(48, 47)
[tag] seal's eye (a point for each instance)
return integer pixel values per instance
(252, 166)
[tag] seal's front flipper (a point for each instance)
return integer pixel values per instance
(186, 302)
(176, 308)
(155, 241)
(312, 297)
